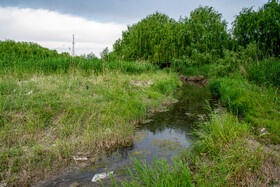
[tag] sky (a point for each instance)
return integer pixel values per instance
(96, 24)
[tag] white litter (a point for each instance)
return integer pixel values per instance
(3, 185)
(100, 176)
(77, 158)
(29, 93)
(108, 131)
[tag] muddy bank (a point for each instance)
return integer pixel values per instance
(194, 80)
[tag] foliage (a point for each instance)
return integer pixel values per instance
(257, 106)
(266, 72)
(12, 52)
(159, 39)
(28, 65)
(104, 54)
(89, 56)
(261, 26)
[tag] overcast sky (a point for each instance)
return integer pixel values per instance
(95, 23)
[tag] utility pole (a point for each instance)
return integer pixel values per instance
(73, 47)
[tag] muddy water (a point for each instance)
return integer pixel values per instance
(163, 134)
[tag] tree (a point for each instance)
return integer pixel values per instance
(91, 56)
(160, 39)
(261, 27)
(207, 30)
(105, 54)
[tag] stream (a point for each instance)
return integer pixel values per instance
(162, 134)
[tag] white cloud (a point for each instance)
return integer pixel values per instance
(54, 30)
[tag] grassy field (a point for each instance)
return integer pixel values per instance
(47, 119)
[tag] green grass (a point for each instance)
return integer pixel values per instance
(159, 174)
(265, 72)
(258, 106)
(224, 155)
(55, 106)
(69, 65)
(47, 119)
(235, 148)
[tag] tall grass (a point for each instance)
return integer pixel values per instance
(64, 65)
(160, 173)
(222, 156)
(259, 106)
(265, 72)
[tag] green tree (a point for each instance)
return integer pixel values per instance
(105, 54)
(261, 27)
(160, 39)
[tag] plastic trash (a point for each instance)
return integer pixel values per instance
(29, 93)
(100, 176)
(77, 158)
(3, 184)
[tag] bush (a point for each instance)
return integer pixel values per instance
(233, 93)
(266, 72)
(257, 106)
(215, 88)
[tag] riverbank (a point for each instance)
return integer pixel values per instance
(241, 146)
(162, 134)
(238, 146)
(47, 120)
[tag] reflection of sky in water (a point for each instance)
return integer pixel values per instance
(164, 134)
(168, 141)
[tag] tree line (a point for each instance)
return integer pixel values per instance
(160, 39)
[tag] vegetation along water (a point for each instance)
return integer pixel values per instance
(58, 111)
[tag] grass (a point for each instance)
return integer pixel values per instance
(257, 105)
(159, 174)
(265, 72)
(69, 65)
(239, 147)
(47, 119)
(54, 107)
(224, 155)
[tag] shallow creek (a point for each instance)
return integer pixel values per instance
(162, 134)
